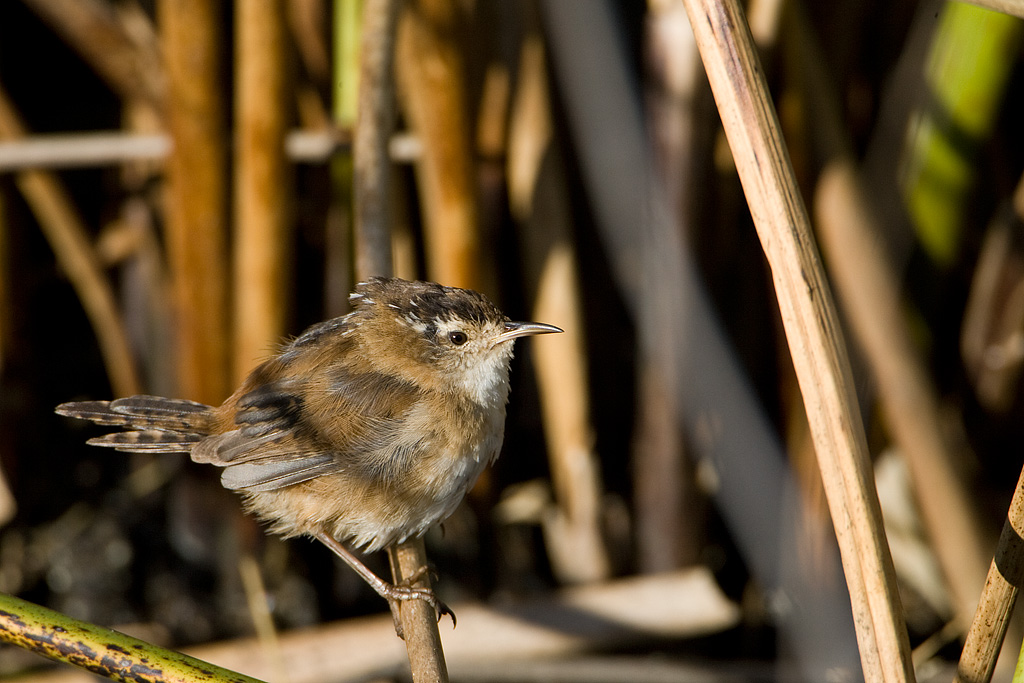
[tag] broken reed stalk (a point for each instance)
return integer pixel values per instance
(371, 190)
(262, 193)
(197, 191)
(1005, 575)
(74, 251)
(812, 330)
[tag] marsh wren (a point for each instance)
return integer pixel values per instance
(363, 432)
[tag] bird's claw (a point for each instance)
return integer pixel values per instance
(427, 570)
(397, 594)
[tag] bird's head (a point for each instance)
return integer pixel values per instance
(442, 338)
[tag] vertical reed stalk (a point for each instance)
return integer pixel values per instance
(373, 257)
(374, 125)
(196, 201)
(262, 193)
(431, 74)
(538, 198)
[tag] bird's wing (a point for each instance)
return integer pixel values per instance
(288, 433)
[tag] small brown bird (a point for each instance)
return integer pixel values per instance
(364, 431)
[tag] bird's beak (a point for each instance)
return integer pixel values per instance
(513, 330)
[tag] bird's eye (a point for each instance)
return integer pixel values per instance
(458, 337)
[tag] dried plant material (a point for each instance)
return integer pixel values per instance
(262, 216)
(812, 330)
(68, 238)
(197, 204)
(431, 75)
(615, 615)
(110, 42)
(1006, 573)
(537, 195)
(992, 333)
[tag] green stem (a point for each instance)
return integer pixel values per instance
(100, 650)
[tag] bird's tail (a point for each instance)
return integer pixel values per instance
(154, 424)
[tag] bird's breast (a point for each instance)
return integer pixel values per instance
(432, 463)
(466, 438)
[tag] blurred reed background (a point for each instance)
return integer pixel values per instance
(176, 195)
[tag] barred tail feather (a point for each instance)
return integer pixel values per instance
(155, 424)
(148, 441)
(94, 411)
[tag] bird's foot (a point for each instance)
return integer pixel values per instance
(394, 594)
(397, 594)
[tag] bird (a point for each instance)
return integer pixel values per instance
(363, 432)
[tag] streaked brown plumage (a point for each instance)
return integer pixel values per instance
(364, 431)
